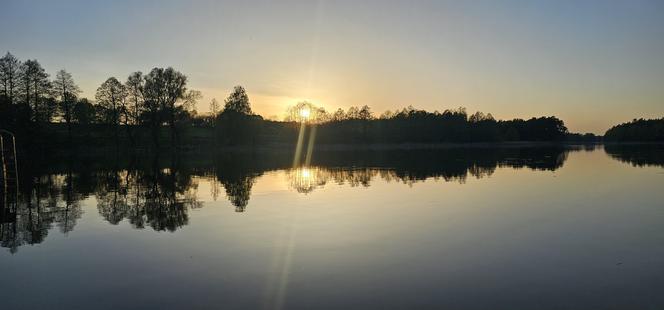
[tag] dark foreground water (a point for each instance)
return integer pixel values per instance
(481, 228)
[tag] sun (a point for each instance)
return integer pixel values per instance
(305, 113)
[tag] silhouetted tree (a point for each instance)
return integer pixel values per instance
(135, 86)
(111, 97)
(353, 113)
(238, 101)
(9, 75)
(313, 113)
(35, 86)
(84, 112)
(365, 113)
(236, 124)
(163, 89)
(65, 88)
(214, 107)
(339, 115)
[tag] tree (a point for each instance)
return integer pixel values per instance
(236, 123)
(84, 112)
(339, 115)
(305, 111)
(111, 97)
(638, 130)
(65, 88)
(365, 113)
(238, 101)
(353, 113)
(35, 86)
(163, 89)
(135, 86)
(9, 74)
(190, 99)
(386, 115)
(185, 112)
(214, 107)
(480, 117)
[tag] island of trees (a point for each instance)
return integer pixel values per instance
(157, 110)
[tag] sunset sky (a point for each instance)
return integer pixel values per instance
(591, 63)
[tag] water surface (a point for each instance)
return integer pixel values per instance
(476, 228)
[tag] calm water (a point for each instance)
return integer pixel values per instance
(482, 228)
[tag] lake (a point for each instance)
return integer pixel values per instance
(514, 227)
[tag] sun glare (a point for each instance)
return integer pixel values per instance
(305, 112)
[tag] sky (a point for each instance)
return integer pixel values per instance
(591, 63)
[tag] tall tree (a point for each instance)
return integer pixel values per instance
(35, 86)
(189, 101)
(236, 123)
(66, 89)
(163, 89)
(135, 86)
(238, 101)
(365, 113)
(9, 74)
(214, 107)
(111, 97)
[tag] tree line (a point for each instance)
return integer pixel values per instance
(411, 125)
(638, 130)
(29, 99)
(146, 108)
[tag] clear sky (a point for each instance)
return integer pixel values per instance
(592, 63)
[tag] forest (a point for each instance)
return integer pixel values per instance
(157, 110)
(638, 130)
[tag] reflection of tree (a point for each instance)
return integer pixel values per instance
(156, 194)
(306, 179)
(71, 210)
(410, 167)
(238, 188)
(638, 155)
(159, 198)
(46, 201)
(237, 174)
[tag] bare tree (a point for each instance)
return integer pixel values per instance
(35, 86)
(65, 88)
(135, 86)
(307, 112)
(189, 101)
(9, 74)
(214, 107)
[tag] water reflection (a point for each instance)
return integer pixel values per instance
(159, 199)
(158, 192)
(638, 155)
(409, 167)
(45, 201)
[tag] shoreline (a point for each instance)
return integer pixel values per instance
(279, 148)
